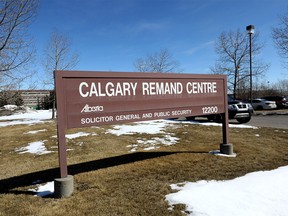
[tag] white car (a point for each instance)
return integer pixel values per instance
(260, 104)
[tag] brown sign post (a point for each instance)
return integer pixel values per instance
(87, 98)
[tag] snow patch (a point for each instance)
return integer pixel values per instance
(29, 117)
(10, 107)
(37, 148)
(148, 127)
(218, 153)
(44, 190)
(258, 193)
(76, 135)
(35, 132)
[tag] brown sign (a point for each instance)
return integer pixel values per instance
(97, 98)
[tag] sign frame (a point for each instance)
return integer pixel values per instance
(69, 81)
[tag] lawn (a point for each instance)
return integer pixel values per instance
(128, 172)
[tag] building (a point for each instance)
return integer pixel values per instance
(33, 98)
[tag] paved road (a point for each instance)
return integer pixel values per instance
(274, 121)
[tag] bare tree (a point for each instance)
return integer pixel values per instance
(280, 36)
(10, 97)
(162, 62)
(16, 50)
(282, 87)
(233, 59)
(58, 56)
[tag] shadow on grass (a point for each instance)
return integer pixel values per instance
(9, 185)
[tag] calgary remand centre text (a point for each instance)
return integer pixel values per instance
(110, 89)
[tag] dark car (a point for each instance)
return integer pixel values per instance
(280, 101)
(237, 109)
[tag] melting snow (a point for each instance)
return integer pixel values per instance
(34, 148)
(259, 193)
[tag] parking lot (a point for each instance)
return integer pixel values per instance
(274, 119)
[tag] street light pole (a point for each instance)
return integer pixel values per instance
(250, 31)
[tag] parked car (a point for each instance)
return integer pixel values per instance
(280, 101)
(260, 104)
(237, 109)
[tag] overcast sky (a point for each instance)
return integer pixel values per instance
(112, 34)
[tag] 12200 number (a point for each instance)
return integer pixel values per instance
(209, 110)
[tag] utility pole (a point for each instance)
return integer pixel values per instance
(250, 31)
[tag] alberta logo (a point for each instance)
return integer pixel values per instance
(89, 109)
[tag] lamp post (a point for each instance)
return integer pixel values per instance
(250, 31)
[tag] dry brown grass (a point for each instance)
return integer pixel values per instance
(111, 181)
